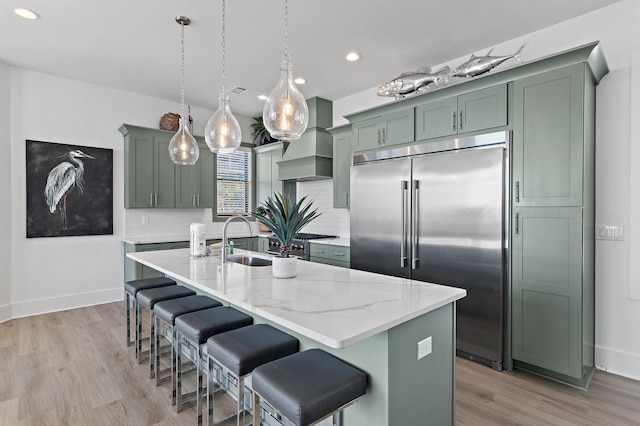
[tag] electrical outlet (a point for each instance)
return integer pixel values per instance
(145, 220)
(424, 347)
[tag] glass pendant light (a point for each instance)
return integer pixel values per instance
(222, 132)
(183, 148)
(285, 111)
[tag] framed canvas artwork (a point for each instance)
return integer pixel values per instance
(69, 190)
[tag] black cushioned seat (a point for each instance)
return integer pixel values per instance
(166, 311)
(197, 327)
(309, 385)
(200, 325)
(244, 349)
(133, 287)
(148, 298)
(169, 310)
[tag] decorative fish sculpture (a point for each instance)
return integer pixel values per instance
(417, 81)
(477, 65)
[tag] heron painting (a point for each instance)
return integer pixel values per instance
(69, 190)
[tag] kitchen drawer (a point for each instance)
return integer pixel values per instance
(329, 252)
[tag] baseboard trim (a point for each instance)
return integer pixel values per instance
(63, 303)
(5, 313)
(618, 362)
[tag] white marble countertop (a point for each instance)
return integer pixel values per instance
(331, 305)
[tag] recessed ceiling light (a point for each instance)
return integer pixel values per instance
(300, 80)
(353, 56)
(26, 13)
(262, 97)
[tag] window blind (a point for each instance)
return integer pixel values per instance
(233, 183)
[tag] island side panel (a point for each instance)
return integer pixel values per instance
(422, 391)
(402, 390)
(370, 356)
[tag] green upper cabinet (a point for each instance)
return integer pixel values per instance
(194, 184)
(342, 154)
(267, 176)
(152, 180)
(387, 130)
(470, 112)
(549, 327)
(149, 172)
(548, 151)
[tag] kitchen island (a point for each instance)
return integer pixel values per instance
(372, 321)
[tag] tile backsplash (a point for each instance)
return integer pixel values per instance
(175, 222)
(331, 221)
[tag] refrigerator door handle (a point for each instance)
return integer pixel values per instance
(414, 226)
(404, 187)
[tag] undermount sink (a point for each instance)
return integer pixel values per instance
(249, 260)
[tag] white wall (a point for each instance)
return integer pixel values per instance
(5, 195)
(616, 26)
(51, 274)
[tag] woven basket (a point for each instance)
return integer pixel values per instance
(170, 121)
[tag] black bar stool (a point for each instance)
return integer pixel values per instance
(239, 352)
(131, 288)
(164, 315)
(146, 299)
(193, 330)
(307, 387)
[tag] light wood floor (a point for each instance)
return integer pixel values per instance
(73, 368)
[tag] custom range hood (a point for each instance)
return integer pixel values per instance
(311, 156)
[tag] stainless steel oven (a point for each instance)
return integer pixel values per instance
(299, 245)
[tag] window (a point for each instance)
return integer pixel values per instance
(233, 183)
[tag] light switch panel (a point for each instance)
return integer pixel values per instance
(609, 232)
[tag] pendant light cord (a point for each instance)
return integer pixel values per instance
(224, 44)
(182, 68)
(286, 30)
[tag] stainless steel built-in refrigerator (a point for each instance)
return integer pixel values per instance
(436, 212)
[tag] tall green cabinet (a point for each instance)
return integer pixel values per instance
(267, 174)
(553, 214)
(342, 158)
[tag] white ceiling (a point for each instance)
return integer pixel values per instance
(134, 45)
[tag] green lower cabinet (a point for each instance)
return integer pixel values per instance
(137, 271)
(552, 326)
(262, 245)
(330, 254)
(249, 243)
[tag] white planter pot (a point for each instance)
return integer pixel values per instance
(284, 267)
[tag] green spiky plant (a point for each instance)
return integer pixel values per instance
(260, 133)
(285, 218)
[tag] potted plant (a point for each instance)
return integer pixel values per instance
(285, 219)
(260, 133)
